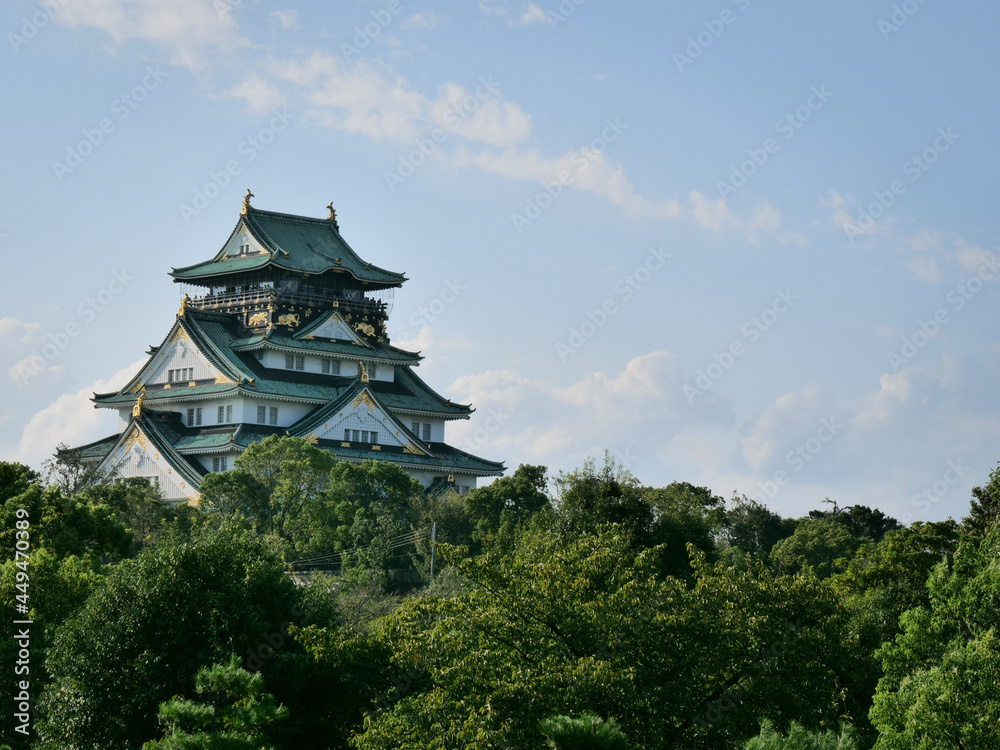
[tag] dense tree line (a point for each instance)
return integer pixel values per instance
(295, 608)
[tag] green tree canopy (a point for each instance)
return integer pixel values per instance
(941, 673)
(233, 713)
(820, 544)
(142, 635)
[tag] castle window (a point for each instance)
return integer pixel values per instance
(425, 433)
(274, 415)
(261, 415)
(194, 417)
(347, 436)
(259, 354)
(300, 362)
(220, 463)
(225, 414)
(289, 362)
(331, 366)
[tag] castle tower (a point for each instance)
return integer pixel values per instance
(283, 331)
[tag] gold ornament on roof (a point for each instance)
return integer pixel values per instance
(333, 216)
(137, 409)
(246, 202)
(364, 372)
(184, 304)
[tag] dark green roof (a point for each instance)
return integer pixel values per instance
(326, 346)
(214, 334)
(293, 243)
(95, 452)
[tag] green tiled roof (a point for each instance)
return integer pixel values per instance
(93, 453)
(293, 243)
(324, 346)
(214, 335)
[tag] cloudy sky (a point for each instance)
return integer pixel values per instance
(748, 245)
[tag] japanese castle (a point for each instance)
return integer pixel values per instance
(284, 334)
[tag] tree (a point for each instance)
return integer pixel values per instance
(15, 479)
(585, 732)
(234, 713)
(860, 520)
(984, 511)
(68, 471)
(562, 625)
(56, 588)
(683, 514)
(135, 503)
(883, 581)
(512, 499)
(142, 635)
(752, 527)
(799, 738)
(293, 474)
(590, 497)
(821, 544)
(941, 672)
(234, 496)
(64, 525)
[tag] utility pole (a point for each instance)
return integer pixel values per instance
(434, 533)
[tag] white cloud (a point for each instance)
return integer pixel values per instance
(533, 14)
(426, 19)
(358, 98)
(976, 258)
(71, 419)
(187, 27)
(924, 268)
(289, 19)
(14, 331)
(489, 120)
(259, 94)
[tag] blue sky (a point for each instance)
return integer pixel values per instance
(746, 245)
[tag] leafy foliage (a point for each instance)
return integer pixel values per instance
(233, 714)
(585, 732)
(799, 738)
(941, 672)
(142, 635)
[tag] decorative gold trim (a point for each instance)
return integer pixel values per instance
(184, 304)
(246, 202)
(345, 445)
(376, 447)
(364, 398)
(412, 450)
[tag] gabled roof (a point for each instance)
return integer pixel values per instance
(292, 243)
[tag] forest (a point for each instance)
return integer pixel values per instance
(314, 603)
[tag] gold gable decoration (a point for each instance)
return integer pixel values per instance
(364, 398)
